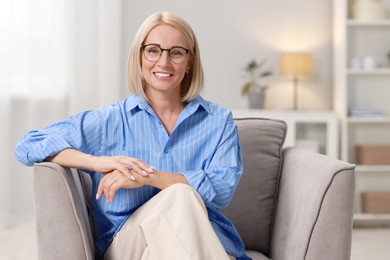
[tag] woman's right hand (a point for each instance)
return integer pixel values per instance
(128, 166)
(123, 164)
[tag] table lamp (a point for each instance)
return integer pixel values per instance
(296, 66)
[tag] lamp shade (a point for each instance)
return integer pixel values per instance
(296, 65)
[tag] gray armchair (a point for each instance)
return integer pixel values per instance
(291, 204)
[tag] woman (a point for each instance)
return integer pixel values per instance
(162, 162)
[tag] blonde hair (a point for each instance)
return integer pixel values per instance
(193, 81)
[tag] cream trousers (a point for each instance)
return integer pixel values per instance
(172, 225)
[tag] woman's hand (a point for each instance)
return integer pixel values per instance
(115, 180)
(125, 165)
(104, 164)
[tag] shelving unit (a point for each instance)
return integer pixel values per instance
(362, 88)
(378, 71)
(314, 130)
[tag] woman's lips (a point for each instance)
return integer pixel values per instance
(163, 75)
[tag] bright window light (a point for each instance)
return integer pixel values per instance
(35, 47)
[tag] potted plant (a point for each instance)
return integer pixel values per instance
(255, 88)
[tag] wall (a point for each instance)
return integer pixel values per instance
(231, 33)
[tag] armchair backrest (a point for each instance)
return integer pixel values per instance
(254, 202)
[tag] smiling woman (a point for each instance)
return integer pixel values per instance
(163, 161)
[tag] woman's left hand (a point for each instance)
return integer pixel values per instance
(115, 180)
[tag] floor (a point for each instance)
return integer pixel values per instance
(370, 243)
(19, 243)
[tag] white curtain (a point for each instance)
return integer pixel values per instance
(56, 58)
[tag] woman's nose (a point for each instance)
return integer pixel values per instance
(164, 58)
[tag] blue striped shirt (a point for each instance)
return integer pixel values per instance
(203, 146)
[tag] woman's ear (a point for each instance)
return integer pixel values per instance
(189, 65)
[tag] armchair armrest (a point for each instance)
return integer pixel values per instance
(315, 207)
(63, 230)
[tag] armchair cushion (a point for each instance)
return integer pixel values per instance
(255, 198)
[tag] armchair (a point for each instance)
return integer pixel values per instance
(290, 204)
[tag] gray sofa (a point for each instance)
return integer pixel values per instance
(291, 204)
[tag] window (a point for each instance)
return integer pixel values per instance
(35, 47)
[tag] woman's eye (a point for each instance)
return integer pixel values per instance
(176, 53)
(153, 51)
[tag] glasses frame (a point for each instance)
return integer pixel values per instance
(167, 50)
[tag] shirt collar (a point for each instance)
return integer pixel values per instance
(134, 101)
(193, 105)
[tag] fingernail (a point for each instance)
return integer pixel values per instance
(144, 173)
(151, 169)
(97, 196)
(131, 177)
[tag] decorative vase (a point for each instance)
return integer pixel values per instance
(256, 99)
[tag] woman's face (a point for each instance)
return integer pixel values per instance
(164, 75)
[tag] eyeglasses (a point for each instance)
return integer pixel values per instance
(153, 52)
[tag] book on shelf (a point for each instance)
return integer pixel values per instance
(366, 112)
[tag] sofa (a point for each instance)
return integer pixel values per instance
(291, 204)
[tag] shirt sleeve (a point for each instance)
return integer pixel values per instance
(81, 132)
(217, 182)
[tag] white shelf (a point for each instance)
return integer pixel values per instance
(300, 127)
(373, 168)
(371, 220)
(368, 120)
(300, 115)
(364, 216)
(377, 71)
(354, 22)
(362, 219)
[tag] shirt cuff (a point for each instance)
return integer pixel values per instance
(50, 147)
(199, 181)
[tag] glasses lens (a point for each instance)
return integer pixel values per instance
(178, 55)
(152, 53)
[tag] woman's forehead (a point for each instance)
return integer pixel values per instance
(166, 36)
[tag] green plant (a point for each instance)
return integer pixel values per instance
(256, 74)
